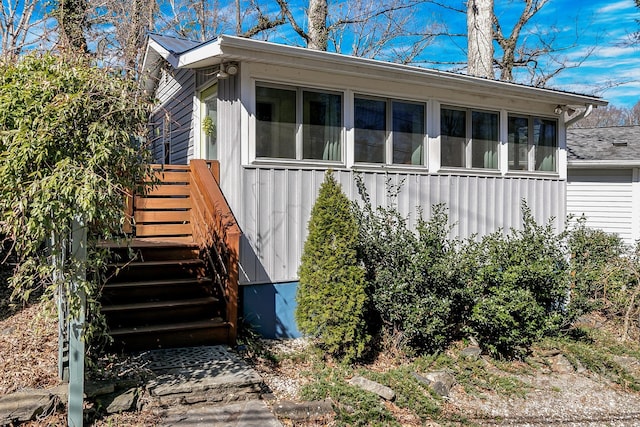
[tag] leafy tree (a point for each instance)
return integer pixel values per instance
(66, 150)
(331, 296)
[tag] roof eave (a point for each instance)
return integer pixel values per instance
(610, 164)
(233, 48)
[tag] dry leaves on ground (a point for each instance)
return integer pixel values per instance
(28, 350)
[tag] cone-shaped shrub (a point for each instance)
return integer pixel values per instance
(331, 296)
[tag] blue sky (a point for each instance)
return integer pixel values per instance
(593, 32)
(611, 70)
(607, 25)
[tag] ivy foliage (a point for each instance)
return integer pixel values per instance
(67, 150)
(331, 296)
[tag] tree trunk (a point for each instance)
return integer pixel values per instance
(318, 33)
(480, 38)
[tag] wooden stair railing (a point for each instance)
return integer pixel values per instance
(216, 232)
(184, 263)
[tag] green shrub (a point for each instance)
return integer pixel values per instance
(508, 321)
(594, 255)
(331, 296)
(520, 286)
(410, 282)
(66, 131)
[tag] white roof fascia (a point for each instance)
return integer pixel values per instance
(610, 164)
(210, 49)
(168, 56)
(238, 48)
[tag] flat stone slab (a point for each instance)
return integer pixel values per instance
(250, 413)
(304, 410)
(373, 387)
(200, 374)
(25, 405)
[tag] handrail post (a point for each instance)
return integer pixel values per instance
(77, 324)
(233, 239)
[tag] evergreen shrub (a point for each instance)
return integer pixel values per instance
(331, 295)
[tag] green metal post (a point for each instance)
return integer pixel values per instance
(76, 325)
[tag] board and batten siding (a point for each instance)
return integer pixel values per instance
(276, 205)
(175, 94)
(608, 198)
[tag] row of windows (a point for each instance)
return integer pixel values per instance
(305, 124)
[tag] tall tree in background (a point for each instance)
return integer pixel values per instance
(538, 52)
(72, 25)
(480, 17)
(611, 116)
(374, 29)
(18, 21)
(120, 28)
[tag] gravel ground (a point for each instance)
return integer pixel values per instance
(571, 399)
(556, 395)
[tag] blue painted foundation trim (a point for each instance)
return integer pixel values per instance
(270, 309)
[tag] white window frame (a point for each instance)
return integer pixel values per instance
(389, 133)
(468, 145)
(532, 147)
(299, 134)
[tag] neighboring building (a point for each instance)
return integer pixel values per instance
(603, 181)
(277, 117)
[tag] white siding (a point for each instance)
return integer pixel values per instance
(606, 198)
(274, 207)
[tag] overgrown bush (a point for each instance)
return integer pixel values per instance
(331, 296)
(66, 151)
(411, 286)
(594, 255)
(521, 285)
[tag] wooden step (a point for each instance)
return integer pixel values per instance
(158, 263)
(168, 305)
(171, 327)
(162, 289)
(202, 332)
(158, 283)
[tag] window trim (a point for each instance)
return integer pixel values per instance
(532, 147)
(389, 131)
(468, 147)
(299, 117)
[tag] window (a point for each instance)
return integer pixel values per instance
(209, 122)
(532, 144)
(295, 123)
(405, 135)
(275, 122)
(469, 139)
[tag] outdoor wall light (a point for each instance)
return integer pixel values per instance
(222, 74)
(232, 69)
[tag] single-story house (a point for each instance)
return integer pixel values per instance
(277, 117)
(603, 181)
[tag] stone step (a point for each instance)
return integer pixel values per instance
(192, 375)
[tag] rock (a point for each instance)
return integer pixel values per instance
(373, 387)
(421, 379)
(300, 411)
(97, 388)
(441, 382)
(62, 391)
(472, 352)
(26, 405)
(560, 364)
(119, 402)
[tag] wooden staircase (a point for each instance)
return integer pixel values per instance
(174, 284)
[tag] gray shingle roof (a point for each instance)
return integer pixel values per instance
(608, 143)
